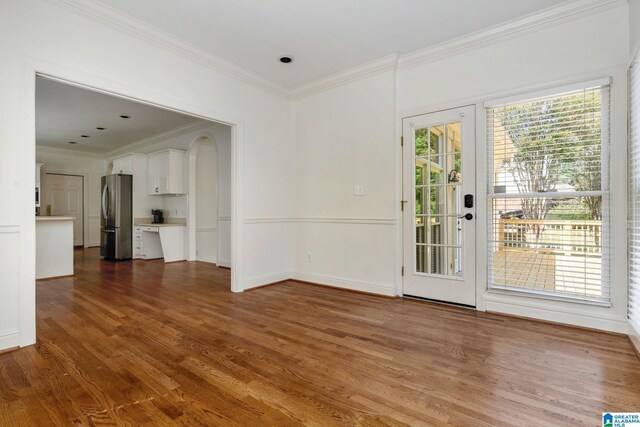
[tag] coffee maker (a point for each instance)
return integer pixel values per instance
(157, 216)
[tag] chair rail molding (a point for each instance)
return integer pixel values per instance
(9, 228)
(322, 220)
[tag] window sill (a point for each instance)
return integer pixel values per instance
(505, 290)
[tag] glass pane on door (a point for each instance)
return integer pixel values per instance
(438, 200)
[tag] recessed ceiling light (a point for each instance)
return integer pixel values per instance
(125, 117)
(72, 142)
(99, 128)
(84, 136)
(286, 59)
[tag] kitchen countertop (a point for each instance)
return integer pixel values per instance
(165, 224)
(54, 218)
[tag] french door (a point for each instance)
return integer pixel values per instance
(439, 205)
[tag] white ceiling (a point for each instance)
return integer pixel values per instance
(324, 36)
(64, 113)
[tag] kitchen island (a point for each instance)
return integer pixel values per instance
(54, 246)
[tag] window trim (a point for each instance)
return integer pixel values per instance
(548, 92)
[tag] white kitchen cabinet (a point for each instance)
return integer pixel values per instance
(123, 164)
(163, 241)
(138, 251)
(147, 243)
(165, 171)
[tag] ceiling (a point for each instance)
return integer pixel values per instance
(64, 113)
(324, 36)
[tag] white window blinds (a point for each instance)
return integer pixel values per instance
(634, 199)
(548, 193)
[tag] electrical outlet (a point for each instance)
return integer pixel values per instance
(309, 257)
(358, 190)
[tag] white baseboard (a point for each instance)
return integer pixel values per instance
(224, 263)
(9, 339)
(265, 280)
(371, 288)
(634, 336)
(534, 310)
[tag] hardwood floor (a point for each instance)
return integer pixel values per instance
(144, 343)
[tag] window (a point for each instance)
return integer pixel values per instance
(548, 193)
(438, 195)
(634, 199)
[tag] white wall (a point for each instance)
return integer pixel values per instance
(634, 29)
(92, 168)
(206, 192)
(39, 34)
(223, 255)
(345, 137)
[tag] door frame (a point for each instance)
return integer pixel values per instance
(479, 202)
(85, 202)
(26, 123)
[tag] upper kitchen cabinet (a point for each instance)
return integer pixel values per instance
(166, 172)
(123, 164)
(131, 164)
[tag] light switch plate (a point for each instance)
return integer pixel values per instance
(358, 190)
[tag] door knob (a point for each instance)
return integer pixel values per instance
(468, 217)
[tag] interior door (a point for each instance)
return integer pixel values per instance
(65, 197)
(439, 208)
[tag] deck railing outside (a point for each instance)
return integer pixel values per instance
(562, 237)
(554, 256)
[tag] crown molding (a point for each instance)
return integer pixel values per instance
(124, 23)
(564, 12)
(45, 149)
(125, 149)
(349, 75)
(136, 145)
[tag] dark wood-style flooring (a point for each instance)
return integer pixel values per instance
(147, 343)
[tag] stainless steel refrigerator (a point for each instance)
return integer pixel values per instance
(116, 220)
